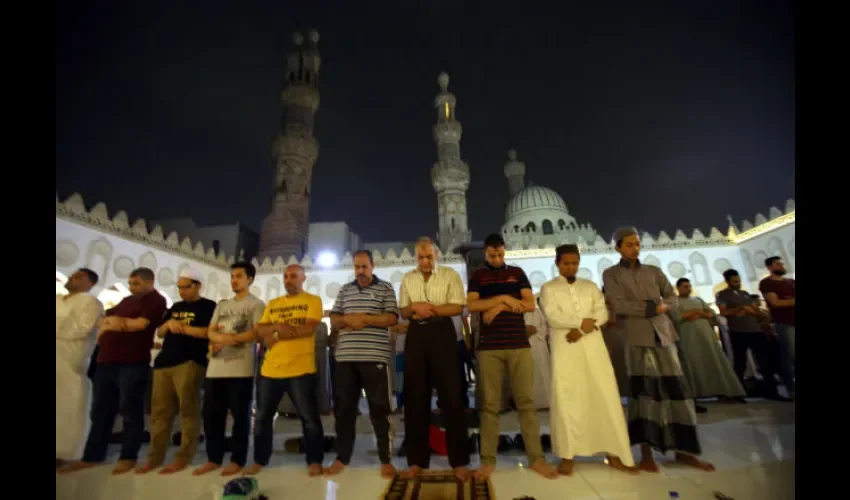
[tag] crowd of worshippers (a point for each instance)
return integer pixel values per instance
(574, 346)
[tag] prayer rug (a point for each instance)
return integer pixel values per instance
(438, 485)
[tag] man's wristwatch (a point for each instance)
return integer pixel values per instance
(276, 335)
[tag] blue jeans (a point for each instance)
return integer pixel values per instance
(118, 389)
(303, 391)
(786, 335)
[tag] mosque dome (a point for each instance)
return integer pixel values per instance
(537, 208)
(532, 208)
(535, 199)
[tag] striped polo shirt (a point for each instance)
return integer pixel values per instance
(507, 331)
(370, 344)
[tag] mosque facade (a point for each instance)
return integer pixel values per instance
(536, 221)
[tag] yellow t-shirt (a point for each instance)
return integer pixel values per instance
(291, 358)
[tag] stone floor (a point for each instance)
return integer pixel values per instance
(751, 445)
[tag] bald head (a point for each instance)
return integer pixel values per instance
(426, 255)
(293, 279)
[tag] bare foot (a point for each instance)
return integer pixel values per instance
(544, 469)
(253, 470)
(75, 466)
(693, 461)
(231, 469)
(648, 464)
(387, 471)
(463, 473)
(314, 470)
(123, 466)
(334, 469)
(147, 467)
(616, 463)
(207, 467)
(176, 466)
(411, 471)
(484, 471)
(565, 468)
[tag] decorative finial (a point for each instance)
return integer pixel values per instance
(298, 38)
(313, 36)
(512, 154)
(443, 81)
(731, 220)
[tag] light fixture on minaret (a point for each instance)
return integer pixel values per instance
(515, 172)
(450, 174)
(284, 230)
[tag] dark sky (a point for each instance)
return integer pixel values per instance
(665, 115)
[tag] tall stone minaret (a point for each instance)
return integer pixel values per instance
(284, 230)
(450, 175)
(515, 172)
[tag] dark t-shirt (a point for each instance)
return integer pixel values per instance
(739, 298)
(784, 290)
(178, 348)
(132, 347)
(507, 331)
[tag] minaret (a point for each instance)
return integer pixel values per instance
(515, 172)
(284, 230)
(450, 175)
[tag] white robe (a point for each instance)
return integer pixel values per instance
(540, 353)
(586, 415)
(76, 324)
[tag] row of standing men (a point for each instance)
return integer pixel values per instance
(209, 344)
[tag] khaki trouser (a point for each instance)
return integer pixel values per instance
(176, 390)
(519, 365)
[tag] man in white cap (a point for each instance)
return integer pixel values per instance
(178, 373)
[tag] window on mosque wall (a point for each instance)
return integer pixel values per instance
(547, 227)
(530, 227)
(562, 224)
(516, 229)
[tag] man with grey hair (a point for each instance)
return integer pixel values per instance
(430, 296)
(661, 407)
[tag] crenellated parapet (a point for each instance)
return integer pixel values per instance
(389, 259)
(776, 219)
(98, 217)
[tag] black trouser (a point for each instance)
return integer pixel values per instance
(431, 360)
(119, 389)
(463, 360)
(332, 368)
(220, 396)
(758, 343)
(349, 378)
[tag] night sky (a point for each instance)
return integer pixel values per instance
(664, 115)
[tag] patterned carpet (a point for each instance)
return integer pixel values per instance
(438, 485)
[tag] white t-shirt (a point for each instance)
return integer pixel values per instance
(235, 316)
